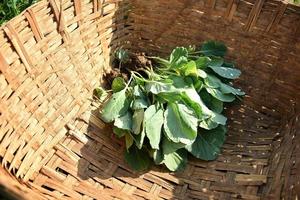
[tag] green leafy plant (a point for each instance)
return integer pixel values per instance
(11, 8)
(174, 109)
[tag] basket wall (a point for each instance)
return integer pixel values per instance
(52, 56)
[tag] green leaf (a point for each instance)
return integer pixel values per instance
(213, 121)
(201, 73)
(128, 140)
(180, 123)
(137, 159)
(212, 81)
(206, 97)
(219, 95)
(119, 132)
(139, 139)
(153, 122)
(216, 62)
(116, 106)
(193, 100)
(100, 93)
(156, 87)
(208, 124)
(124, 122)
(198, 85)
(218, 118)
(202, 62)
(211, 102)
(176, 161)
(137, 121)
(178, 57)
(226, 72)
(170, 96)
(172, 99)
(178, 81)
(137, 92)
(118, 84)
(158, 157)
(189, 68)
(214, 48)
(169, 146)
(227, 89)
(139, 103)
(208, 143)
(189, 82)
(177, 53)
(228, 64)
(216, 105)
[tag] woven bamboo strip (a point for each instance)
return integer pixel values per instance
(54, 146)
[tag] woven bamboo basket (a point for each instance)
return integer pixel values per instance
(52, 56)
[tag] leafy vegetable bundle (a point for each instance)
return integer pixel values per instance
(174, 109)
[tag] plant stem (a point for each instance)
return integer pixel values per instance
(120, 64)
(195, 52)
(131, 77)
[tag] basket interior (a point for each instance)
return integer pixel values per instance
(52, 56)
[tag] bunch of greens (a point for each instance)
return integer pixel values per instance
(175, 109)
(11, 8)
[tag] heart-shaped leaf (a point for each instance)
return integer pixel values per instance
(158, 156)
(139, 139)
(139, 103)
(116, 106)
(208, 124)
(176, 161)
(208, 143)
(124, 122)
(156, 87)
(137, 121)
(189, 69)
(202, 62)
(153, 123)
(226, 72)
(213, 48)
(178, 57)
(193, 100)
(137, 159)
(220, 96)
(169, 146)
(212, 81)
(215, 62)
(176, 106)
(180, 123)
(227, 89)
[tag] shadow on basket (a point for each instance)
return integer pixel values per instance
(102, 161)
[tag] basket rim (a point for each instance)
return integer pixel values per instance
(2, 26)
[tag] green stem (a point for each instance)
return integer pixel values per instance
(120, 64)
(127, 85)
(196, 52)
